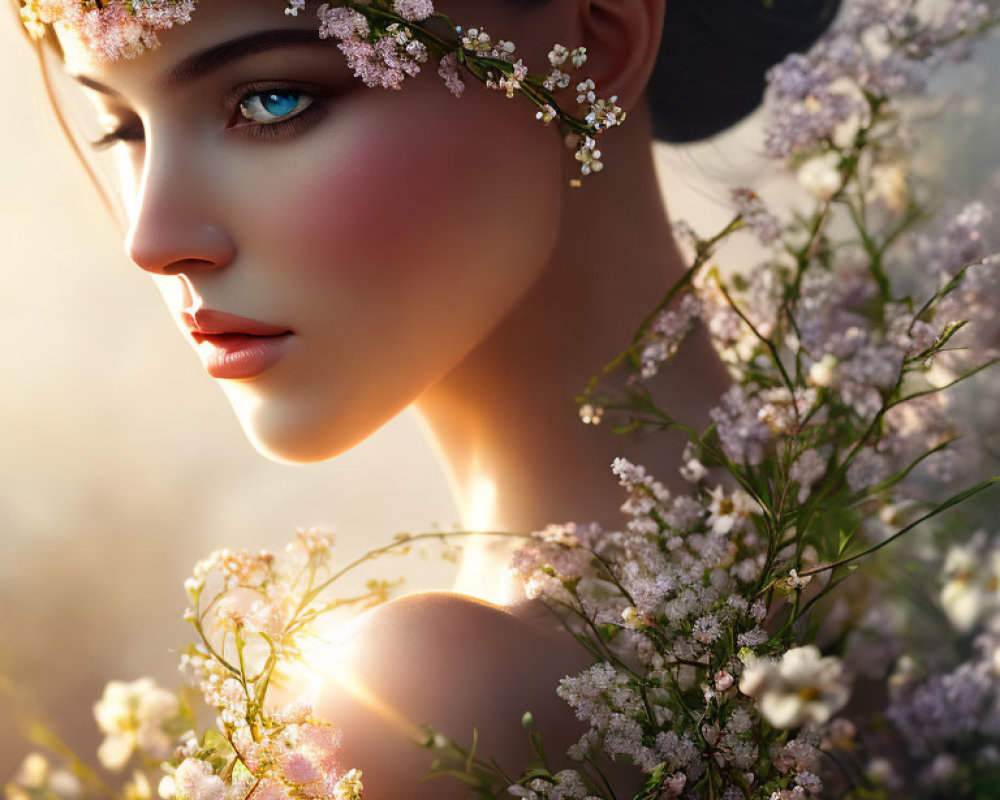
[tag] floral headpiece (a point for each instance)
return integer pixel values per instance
(384, 42)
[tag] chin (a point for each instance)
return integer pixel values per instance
(294, 433)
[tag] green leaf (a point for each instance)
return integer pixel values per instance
(608, 631)
(651, 788)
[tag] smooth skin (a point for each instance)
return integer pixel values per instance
(426, 251)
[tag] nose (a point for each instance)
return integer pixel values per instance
(172, 229)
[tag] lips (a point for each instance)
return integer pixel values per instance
(233, 347)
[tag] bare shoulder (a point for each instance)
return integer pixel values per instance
(476, 629)
(455, 663)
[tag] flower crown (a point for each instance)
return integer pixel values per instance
(384, 42)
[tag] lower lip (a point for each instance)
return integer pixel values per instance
(233, 356)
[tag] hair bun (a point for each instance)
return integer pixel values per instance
(715, 55)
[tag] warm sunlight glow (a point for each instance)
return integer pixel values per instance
(355, 686)
(480, 514)
(328, 654)
(482, 574)
(331, 657)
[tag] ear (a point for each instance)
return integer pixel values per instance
(623, 40)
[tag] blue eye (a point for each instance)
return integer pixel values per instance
(269, 107)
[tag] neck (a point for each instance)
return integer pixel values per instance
(505, 420)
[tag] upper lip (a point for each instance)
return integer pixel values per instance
(207, 321)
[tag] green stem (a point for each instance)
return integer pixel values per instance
(952, 501)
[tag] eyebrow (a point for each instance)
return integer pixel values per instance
(97, 86)
(217, 56)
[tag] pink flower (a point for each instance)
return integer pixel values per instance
(448, 70)
(298, 768)
(414, 10)
(341, 23)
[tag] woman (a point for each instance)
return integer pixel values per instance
(336, 254)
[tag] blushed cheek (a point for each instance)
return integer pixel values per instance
(402, 182)
(372, 197)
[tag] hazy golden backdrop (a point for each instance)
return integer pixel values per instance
(120, 462)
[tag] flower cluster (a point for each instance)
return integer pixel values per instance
(37, 779)
(383, 41)
(255, 617)
(692, 684)
(110, 30)
(391, 58)
(252, 613)
(876, 50)
(949, 722)
(135, 717)
(723, 655)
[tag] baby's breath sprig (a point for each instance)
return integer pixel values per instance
(384, 42)
(838, 437)
(255, 615)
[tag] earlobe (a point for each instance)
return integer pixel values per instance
(623, 41)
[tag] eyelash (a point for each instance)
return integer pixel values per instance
(124, 132)
(131, 130)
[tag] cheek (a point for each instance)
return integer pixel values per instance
(417, 203)
(416, 164)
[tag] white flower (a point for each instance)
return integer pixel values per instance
(131, 716)
(138, 788)
(723, 681)
(729, 513)
(589, 156)
(693, 470)
(586, 92)
(477, 41)
(888, 184)
(558, 56)
(605, 114)
(349, 787)
(796, 581)
(546, 114)
(65, 785)
(557, 80)
(631, 618)
(972, 584)
(820, 176)
(804, 686)
(33, 772)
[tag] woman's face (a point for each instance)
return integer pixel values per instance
(367, 242)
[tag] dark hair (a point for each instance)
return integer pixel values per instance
(715, 56)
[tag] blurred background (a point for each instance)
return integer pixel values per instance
(121, 464)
